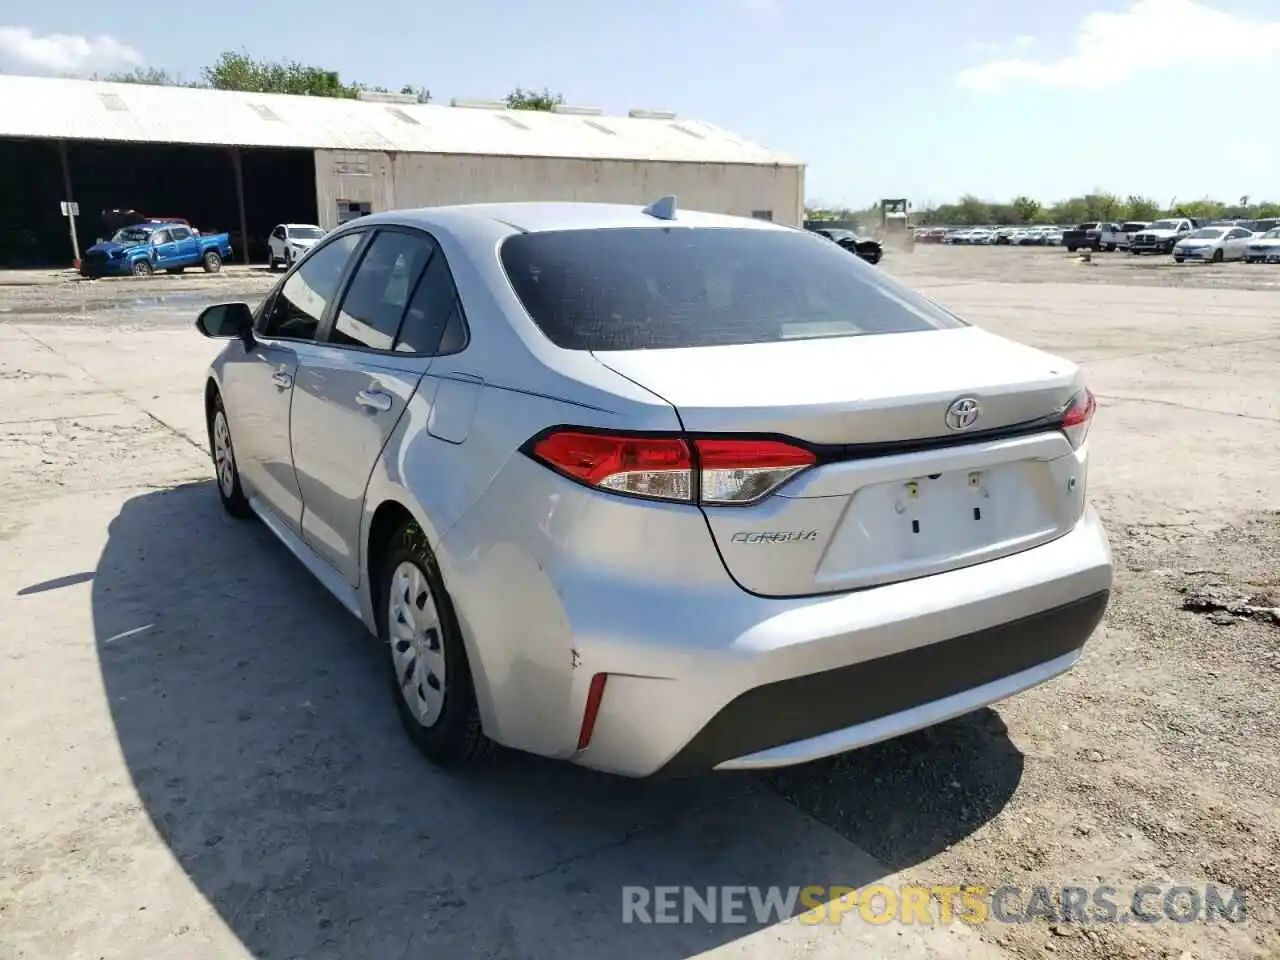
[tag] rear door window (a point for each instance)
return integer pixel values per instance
(379, 292)
(654, 288)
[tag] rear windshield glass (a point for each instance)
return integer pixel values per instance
(652, 288)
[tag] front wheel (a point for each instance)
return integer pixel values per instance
(1218, 256)
(1179, 259)
(211, 261)
(1111, 248)
(426, 659)
(224, 461)
(142, 268)
(1071, 249)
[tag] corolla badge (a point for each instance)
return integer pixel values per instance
(963, 413)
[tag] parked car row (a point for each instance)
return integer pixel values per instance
(1184, 238)
(1001, 236)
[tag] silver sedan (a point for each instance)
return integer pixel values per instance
(653, 490)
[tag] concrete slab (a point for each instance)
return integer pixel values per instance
(200, 759)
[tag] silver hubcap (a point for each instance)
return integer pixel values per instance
(417, 645)
(224, 457)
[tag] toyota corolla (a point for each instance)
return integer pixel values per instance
(658, 491)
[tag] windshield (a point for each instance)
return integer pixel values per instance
(305, 233)
(1208, 233)
(1164, 225)
(649, 288)
(131, 235)
(1131, 227)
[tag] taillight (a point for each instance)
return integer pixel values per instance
(1077, 417)
(714, 471)
(743, 471)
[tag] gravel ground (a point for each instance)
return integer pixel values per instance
(1156, 761)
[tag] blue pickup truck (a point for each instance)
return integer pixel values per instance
(144, 248)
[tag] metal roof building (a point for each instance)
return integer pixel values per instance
(135, 113)
(371, 155)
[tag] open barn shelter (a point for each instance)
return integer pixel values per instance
(243, 162)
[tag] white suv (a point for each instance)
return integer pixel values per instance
(289, 241)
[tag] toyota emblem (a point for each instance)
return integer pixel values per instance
(963, 413)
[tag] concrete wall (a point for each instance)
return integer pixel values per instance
(388, 181)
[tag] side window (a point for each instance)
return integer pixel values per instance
(160, 236)
(181, 233)
(1240, 233)
(296, 311)
(278, 233)
(379, 292)
(434, 311)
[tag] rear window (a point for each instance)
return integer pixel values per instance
(652, 288)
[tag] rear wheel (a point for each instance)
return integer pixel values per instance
(1111, 248)
(426, 659)
(1218, 256)
(142, 268)
(1179, 259)
(1071, 249)
(272, 263)
(211, 261)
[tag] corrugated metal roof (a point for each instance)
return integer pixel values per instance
(89, 110)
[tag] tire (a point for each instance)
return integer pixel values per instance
(226, 473)
(272, 263)
(1218, 256)
(142, 268)
(1071, 249)
(1111, 248)
(419, 632)
(211, 261)
(1179, 259)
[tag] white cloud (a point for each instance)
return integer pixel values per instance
(1151, 34)
(1015, 45)
(61, 53)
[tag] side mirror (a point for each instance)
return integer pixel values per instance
(227, 321)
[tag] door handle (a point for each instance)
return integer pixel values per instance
(374, 400)
(281, 379)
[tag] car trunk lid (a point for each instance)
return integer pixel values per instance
(898, 491)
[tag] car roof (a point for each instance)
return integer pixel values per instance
(310, 226)
(542, 216)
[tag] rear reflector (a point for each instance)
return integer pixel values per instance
(595, 693)
(704, 470)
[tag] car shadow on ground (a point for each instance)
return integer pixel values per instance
(253, 715)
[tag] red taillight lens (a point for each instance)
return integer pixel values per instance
(743, 471)
(1078, 416)
(660, 467)
(716, 471)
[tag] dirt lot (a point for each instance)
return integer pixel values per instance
(197, 758)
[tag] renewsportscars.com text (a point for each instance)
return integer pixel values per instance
(973, 905)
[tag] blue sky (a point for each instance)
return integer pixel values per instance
(917, 98)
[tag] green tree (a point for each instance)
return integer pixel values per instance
(150, 76)
(239, 71)
(521, 99)
(1141, 208)
(1025, 209)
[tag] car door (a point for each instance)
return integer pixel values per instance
(257, 383)
(186, 246)
(353, 388)
(163, 250)
(1237, 240)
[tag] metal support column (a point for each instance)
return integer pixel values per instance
(244, 220)
(69, 198)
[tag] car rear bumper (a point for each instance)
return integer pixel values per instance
(798, 680)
